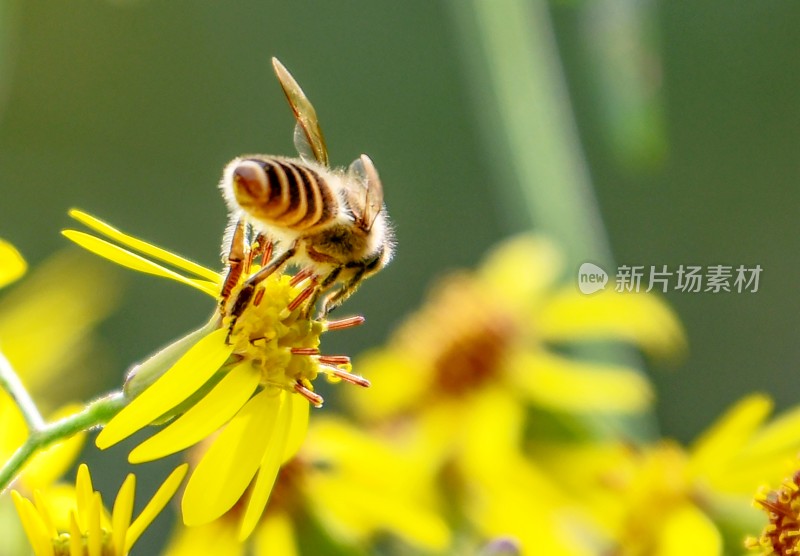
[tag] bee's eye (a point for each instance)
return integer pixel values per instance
(250, 181)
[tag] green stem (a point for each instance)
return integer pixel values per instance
(95, 413)
(524, 105)
(10, 382)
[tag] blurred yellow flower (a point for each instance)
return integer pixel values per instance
(493, 329)
(12, 265)
(89, 530)
(240, 377)
(667, 500)
(349, 484)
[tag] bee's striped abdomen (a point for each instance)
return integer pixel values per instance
(283, 192)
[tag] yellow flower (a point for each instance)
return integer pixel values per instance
(494, 328)
(90, 530)
(350, 485)
(665, 499)
(240, 379)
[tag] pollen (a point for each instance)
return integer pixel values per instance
(275, 336)
(782, 535)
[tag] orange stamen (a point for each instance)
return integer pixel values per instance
(348, 322)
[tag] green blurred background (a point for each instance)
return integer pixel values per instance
(687, 114)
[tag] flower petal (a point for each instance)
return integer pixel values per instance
(12, 265)
(136, 262)
(715, 448)
(151, 250)
(34, 526)
(639, 318)
(270, 463)
(227, 468)
(206, 416)
(571, 385)
(160, 499)
(275, 535)
(83, 496)
(181, 381)
(75, 536)
(122, 512)
(688, 530)
(298, 428)
(95, 532)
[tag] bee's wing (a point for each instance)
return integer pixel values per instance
(307, 134)
(365, 174)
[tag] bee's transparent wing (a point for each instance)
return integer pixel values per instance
(366, 175)
(308, 138)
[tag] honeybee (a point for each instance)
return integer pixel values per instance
(330, 222)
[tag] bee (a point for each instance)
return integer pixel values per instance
(330, 222)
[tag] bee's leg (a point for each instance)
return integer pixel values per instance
(323, 286)
(338, 297)
(249, 287)
(235, 260)
(262, 247)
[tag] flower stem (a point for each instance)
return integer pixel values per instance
(95, 413)
(10, 382)
(524, 105)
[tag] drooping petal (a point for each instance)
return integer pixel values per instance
(12, 265)
(176, 385)
(136, 262)
(151, 250)
(122, 512)
(206, 416)
(270, 463)
(160, 499)
(227, 468)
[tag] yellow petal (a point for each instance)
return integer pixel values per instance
(122, 512)
(95, 531)
(12, 265)
(41, 507)
(217, 538)
(275, 535)
(715, 448)
(639, 318)
(227, 468)
(136, 262)
(181, 381)
(298, 428)
(83, 495)
(205, 417)
(34, 526)
(151, 250)
(777, 439)
(160, 499)
(268, 470)
(688, 530)
(75, 536)
(535, 258)
(564, 384)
